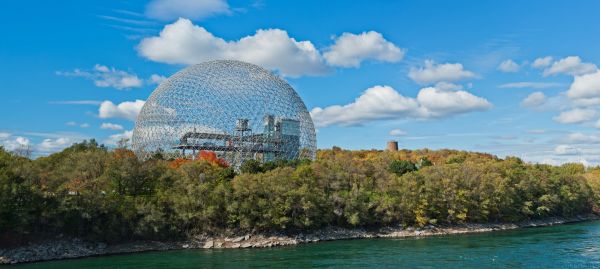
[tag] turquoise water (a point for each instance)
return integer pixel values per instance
(564, 246)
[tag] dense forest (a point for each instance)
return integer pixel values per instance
(90, 191)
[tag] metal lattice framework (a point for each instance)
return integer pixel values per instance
(236, 109)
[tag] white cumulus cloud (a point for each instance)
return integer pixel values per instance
(156, 79)
(581, 138)
(182, 42)
(509, 66)
(126, 110)
(576, 115)
(571, 65)
(11, 143)
(384, 102)
(585, 86)
(542, 62)
(111, 126)
(349, 50)
(104, 76)
(116, 138)
(168, 10)
(535, 99)
(397, 132)
(50, 145)
(379, 102)
(433, 72)
(441, 103)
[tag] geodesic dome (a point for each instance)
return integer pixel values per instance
(236, 109)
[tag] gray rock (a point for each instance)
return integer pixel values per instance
(209, 244)
(238, 239)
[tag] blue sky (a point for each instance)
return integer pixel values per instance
(509, 78)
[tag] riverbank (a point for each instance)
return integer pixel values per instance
(77, 248)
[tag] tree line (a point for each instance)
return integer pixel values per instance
(90, 191)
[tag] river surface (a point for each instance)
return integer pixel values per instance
(563, 246)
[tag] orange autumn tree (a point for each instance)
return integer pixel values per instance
(121, 153)
(178, 162)
(211, 157)
(203, 155)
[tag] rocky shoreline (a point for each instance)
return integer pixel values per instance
(77, 248)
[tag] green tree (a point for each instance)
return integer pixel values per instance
(424, 162)
(251, 167)
(401, 167)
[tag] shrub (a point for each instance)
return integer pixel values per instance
(401, 167)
